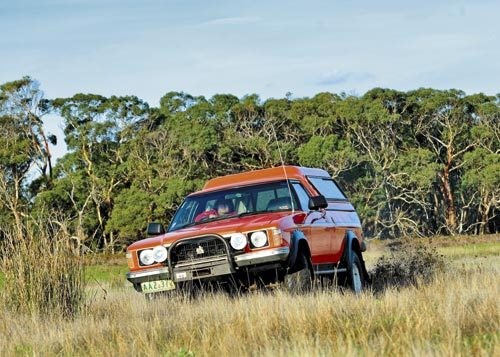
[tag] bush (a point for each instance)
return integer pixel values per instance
(42, 275)
(406, 264)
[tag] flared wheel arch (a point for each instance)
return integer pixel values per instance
(352, 246)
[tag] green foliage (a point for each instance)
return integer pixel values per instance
(415, 168)
(482, 170)
(132, 207)
(329, 151)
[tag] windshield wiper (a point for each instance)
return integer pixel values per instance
(208, 220)
(187, 225)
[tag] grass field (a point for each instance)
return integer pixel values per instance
(457, 313)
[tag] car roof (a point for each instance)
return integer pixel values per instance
(261, 176)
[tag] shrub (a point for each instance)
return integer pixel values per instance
(406, 264)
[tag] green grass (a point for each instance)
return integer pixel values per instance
(100, 272)
(104, 273)
(453, 248)
(477, 250)
(108, 275)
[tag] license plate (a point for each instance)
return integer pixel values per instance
(157, 285)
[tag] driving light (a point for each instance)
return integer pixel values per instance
(258, 239)
(146, 257)
(160, 254)
(238, 241)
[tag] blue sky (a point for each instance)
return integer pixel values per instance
(149, 47)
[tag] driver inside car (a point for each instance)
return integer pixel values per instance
(223, 207)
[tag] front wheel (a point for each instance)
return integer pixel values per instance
(302, 279)
(355, 277)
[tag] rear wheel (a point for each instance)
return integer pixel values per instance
(355, 276)
(302, 279)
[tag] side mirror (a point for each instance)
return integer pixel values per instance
(317, 202)
(154, 229)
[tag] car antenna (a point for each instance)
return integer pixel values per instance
(284, 169)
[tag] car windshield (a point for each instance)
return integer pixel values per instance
(240, 201)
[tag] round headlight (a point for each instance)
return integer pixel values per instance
(238, 241)
(258, 239)
(160, 254)
(146, 257)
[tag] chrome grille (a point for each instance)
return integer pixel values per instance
(198, 249)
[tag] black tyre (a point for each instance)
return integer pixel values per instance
(355, 276)
(301, 280)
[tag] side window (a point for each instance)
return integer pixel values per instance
(302, 195)
(327, 187)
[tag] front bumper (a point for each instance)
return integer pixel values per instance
(210, 268)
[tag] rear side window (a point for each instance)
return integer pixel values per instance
(327, 187)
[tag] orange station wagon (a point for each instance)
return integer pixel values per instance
(284, 226)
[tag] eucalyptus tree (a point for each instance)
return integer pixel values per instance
(23, 145)
(170, 155)
(246, 148)
(444, 123)
(224, 118)
(374, 132)
(97, 129)
(480, 179)
(325, 140)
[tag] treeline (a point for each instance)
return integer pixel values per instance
(421, 162)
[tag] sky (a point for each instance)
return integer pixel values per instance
(150, 47)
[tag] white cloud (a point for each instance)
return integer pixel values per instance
(339, 77)
(242, 20)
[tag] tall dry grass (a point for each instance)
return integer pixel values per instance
(42, 274)
(456, 314)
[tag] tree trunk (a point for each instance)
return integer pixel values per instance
(449, 200)
(484, 212)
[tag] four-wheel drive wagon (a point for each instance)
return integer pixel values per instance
(280, 226)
